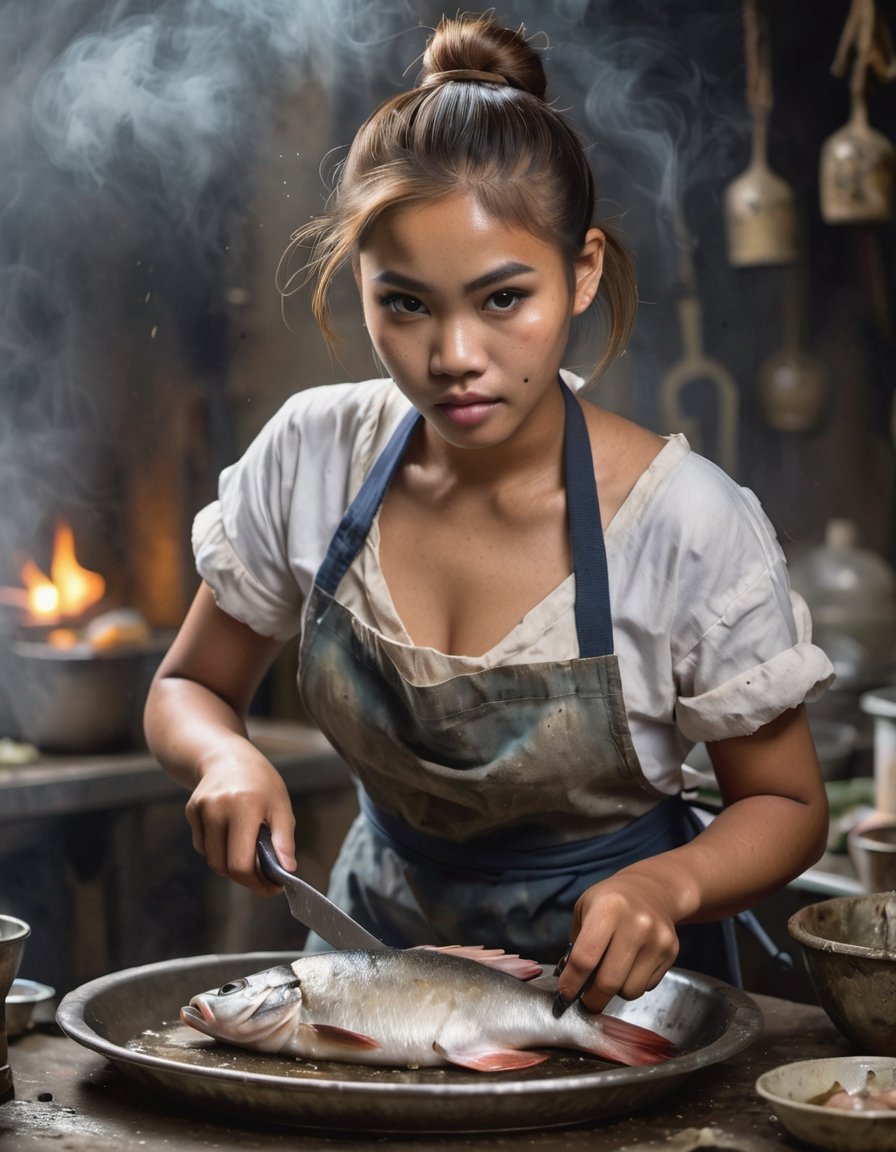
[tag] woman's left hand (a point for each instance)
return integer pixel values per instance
(773, 826)
(624, 940)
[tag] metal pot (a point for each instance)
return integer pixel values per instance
(79, 700)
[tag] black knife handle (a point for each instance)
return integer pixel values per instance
(267, 857)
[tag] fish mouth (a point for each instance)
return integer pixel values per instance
(197, 1015)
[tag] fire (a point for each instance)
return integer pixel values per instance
(69, 590)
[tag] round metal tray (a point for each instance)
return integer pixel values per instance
(131, 1017)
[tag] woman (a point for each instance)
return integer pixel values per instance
(512, 668)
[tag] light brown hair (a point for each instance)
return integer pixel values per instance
(476, 121)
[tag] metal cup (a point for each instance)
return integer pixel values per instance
(13, 934)
(872, 849)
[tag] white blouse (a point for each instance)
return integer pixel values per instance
(710, 639)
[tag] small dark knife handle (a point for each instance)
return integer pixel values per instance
(267, 857)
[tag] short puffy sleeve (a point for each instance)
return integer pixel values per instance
(259, 545)
(746, 653)
(270, 611)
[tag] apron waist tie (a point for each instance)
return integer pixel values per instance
(659, 829)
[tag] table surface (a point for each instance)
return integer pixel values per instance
(57, 785)
(70, 1099)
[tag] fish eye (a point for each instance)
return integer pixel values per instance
(233, 986)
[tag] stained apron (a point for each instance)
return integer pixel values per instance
(489, 801)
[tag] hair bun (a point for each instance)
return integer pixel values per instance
(478, 48)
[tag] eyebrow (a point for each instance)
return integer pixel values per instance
(502, 272)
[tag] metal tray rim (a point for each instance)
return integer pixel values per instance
(744, 1026)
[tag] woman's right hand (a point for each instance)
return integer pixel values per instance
(238, 791)
(195, 723)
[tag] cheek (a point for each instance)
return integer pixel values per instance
(547, 329)
(393, 347)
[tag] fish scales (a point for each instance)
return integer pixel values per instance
(412, 1007)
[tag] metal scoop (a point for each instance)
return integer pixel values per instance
(311, 907)
(858, 164)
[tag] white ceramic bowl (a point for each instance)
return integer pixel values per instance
(21, 1003)
(789, 1087)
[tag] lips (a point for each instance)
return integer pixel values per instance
(468, 409)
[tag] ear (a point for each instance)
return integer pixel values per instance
(588, 267)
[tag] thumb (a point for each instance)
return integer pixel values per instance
(283, 839)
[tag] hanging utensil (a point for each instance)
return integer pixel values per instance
(792, 384)
(694, 369)
(858, 163)
(760, 212)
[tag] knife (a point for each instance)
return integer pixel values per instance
(311, 907)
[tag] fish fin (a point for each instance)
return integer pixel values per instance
(343, 1037)
(509, 962)
(629, 1043)
(491, 1059)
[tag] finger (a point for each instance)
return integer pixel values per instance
(215, 847)
(242, 854)
(283, 838)
(628, 980)
(579, 965)
(196, 828)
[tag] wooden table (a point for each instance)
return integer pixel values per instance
(69, 1099)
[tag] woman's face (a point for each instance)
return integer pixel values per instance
(471, 316)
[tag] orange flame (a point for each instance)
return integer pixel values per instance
(69, 590)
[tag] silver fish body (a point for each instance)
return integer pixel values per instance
(414, 1007)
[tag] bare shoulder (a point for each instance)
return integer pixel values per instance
(622, 451)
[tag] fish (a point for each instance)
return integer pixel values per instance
(415, 1007)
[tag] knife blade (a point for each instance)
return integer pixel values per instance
(311, 907)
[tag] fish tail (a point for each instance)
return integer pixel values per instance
(630, 1043)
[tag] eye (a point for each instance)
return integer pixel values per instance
(505, 300)
(404, 305)
(232, 986)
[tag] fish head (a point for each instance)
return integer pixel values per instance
(258, 1011)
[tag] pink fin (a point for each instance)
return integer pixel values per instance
(509, 962)
(630, 1043)
(491, 1059)
(343, 1036)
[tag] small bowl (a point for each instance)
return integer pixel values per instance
(790, 1087)
(21, 1003)
(872, 850)
(849, 948)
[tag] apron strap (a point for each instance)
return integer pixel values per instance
(352, 531)
(594, 625)
(592, 609)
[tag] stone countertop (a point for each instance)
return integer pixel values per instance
(70, 1099)
(56, 785)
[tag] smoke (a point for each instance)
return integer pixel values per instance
(176, 93)
(130, 131)
(651, 86)
(133, 131)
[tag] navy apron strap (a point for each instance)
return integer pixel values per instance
(352, 531)
(594, 625)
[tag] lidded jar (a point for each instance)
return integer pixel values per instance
(851, 594)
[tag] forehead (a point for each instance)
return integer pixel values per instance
(453, 232)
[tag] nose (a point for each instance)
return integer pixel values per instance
(457, 348)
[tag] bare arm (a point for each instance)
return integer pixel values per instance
(195, 723)
(773, 826)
